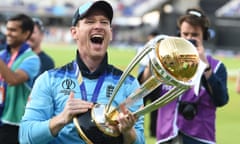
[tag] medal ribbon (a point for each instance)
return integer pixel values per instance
(96, 89)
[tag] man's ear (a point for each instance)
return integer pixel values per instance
(74, 32)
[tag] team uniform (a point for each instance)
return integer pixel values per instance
(49, 99)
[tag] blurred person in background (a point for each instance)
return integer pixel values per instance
(142, 76)
(238, 82)
(2, 41)
(190, 119)
(35, 43)
(19, 65)
(61, 94)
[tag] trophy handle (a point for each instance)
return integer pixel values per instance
(147, 87)
(161, 101)
(125, 74)
(147, 48)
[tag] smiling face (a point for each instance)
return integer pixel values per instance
(14, 34)
(93, 33)
(36, 38)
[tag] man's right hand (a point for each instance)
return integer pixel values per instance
(72, 107)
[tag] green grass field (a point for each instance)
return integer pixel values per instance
(228, 117)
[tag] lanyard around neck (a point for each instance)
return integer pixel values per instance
(12, 59)
(96, 89)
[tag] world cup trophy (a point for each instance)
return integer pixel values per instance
(173, 60)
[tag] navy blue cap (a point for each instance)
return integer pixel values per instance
(83, 10)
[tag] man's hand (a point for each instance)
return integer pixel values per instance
(126, 124)
(72, 107)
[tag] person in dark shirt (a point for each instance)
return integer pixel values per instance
(35, 43)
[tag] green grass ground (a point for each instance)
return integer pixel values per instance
(228, 117)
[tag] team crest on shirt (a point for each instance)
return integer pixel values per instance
(68, 85)
(109, 90)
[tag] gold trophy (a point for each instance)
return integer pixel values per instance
(173, 60)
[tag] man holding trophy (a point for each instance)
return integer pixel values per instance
(90, 101)
(60, 95)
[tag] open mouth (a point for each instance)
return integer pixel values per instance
(97, 39)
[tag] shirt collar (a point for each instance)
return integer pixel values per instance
(23, 47)
(86, 72)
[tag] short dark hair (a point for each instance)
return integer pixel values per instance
(26, 22)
